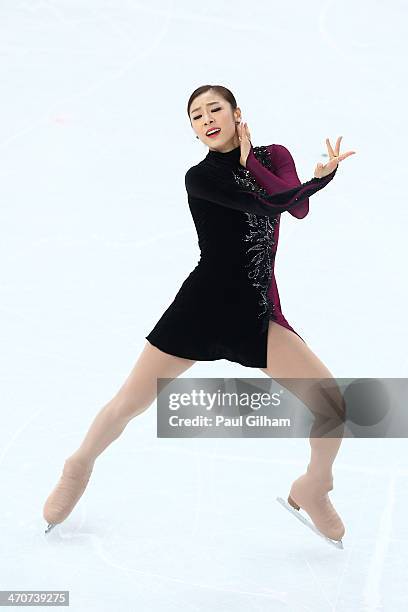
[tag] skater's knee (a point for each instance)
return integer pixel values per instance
(328, 401)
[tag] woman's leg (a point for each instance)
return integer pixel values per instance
(294, 365)
(136, 394)
(290, 358)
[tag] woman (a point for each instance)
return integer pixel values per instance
(228, 307)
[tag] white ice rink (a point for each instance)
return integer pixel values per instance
(96, 239)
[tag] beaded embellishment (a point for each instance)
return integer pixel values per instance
(261, 235)
(246, 180)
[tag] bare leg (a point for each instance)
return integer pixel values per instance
(289, 361)
(136, 394)
(289, 357)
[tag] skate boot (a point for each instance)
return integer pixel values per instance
(309, 493)
(65, 495)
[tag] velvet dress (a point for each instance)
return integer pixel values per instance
(222, 309)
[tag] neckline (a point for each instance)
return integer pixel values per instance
(232, 155)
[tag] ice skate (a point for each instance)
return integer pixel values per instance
(310, 494)
(70, 487)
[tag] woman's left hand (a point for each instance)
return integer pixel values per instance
(322, 170)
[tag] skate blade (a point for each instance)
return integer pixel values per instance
(49, 527)
(305, 521)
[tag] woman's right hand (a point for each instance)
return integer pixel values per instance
(244, 141)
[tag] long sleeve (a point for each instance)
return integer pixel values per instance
(220, 188)
(283, 177)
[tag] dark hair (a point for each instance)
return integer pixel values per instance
(219, 89)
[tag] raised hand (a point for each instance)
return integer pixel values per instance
(244, 141)
(334, 159)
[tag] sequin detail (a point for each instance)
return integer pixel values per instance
(261, 235)
(246, 180)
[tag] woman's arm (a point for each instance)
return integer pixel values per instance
(284, 175)
(204, 184)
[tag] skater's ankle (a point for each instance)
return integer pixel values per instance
(323, 477)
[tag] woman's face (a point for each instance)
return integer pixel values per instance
(210, 110)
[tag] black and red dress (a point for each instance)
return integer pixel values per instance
(223, 308)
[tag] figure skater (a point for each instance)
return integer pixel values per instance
(229, 307)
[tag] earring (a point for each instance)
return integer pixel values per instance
(196, 136)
